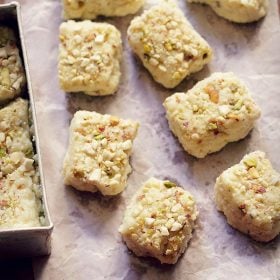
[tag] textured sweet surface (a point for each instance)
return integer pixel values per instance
(216, 111)
(86, 241)
(90, 9)
(12, 77)
(240, 11)
(89, 57)
(249, 195)
(98, 155)
(159, 221)
(168, 45)
(20, 204)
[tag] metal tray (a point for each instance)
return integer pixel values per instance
(35, 241)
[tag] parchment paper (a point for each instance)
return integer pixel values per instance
(86, 243)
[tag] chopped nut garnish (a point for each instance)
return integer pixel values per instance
(176, 226)
(260, 189)
(147, 48)
(254, 173)
(162, 68)
(2, 152)
(5, 76)
(233, 116)
(213, 93)
(4, 203)
(149, 221)
(238, 104)
(242, 207)
(212, 126)
(168, 46)
(99, 38)
(169, 184)
(164, 231)
(250, 162)
(153, 61)
(176, 75)
(114, 121)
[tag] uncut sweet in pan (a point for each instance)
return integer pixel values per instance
(12, 77)
(20, 193)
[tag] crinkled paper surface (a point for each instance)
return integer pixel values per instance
(86, 243)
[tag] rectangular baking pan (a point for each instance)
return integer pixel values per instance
(35, 241)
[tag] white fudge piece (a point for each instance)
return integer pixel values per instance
(20, 194)
(248, 194)
(20, 204)
(239, 11)
(159, 221)
(168, 45)
(216, 111)
(89, 57)
(12, 77)
(98, 154)
(14, 128)
(90, 9)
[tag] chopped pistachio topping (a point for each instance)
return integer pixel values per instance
(5, 76)
(238, 104)
(212, 126)
(2, 152)
(250, 162)
(169, 184)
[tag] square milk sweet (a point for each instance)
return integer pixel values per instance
(90, 9)
(167, 44)
(248, 194)
(89, 57)
(97, 158)
(159, 221)
(216, 111)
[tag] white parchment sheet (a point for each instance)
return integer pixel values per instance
(86, 243)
